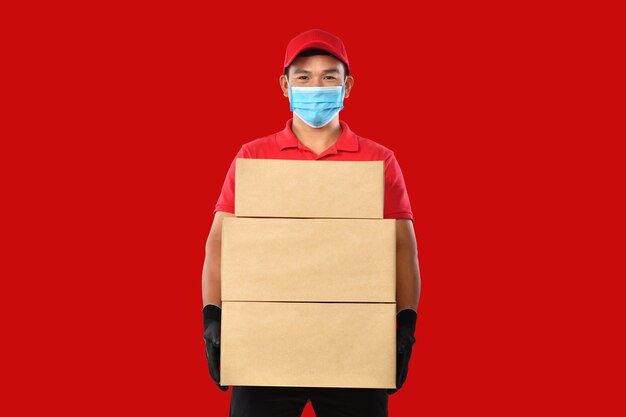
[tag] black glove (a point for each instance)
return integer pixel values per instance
(212, 315)
(404, 343)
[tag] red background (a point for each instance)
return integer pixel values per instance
(119, 123)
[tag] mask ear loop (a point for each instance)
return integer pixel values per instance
(343, 89)
(290, 94)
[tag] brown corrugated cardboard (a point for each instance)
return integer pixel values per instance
(275, 259)
(313, 189)
(308, 276)
(348, 345)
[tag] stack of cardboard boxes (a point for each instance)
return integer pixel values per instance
(308, 273)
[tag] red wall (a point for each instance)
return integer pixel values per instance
(121, 120)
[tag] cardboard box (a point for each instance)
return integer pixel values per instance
(308, 276)
(350, 345)
(313, 189)
(274, 259)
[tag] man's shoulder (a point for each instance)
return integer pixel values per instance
(261, 141)
(374, 148)
(259, 145)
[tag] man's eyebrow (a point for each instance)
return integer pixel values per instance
(303, 71)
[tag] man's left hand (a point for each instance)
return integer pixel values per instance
(404, 342)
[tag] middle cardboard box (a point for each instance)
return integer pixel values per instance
(308, 260)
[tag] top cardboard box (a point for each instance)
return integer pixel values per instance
(309, 189)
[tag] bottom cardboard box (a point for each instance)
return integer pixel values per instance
(350, 345)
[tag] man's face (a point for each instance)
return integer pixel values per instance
(316, 71)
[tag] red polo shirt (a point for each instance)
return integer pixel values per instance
(349, 147)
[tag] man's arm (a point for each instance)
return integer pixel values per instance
(211, 272)
(407, 266)
(212, 297)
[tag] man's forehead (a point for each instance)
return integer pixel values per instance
(304, 70)
(327, 63)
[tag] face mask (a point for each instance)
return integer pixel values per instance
(316, 106)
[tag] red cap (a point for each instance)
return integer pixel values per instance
(316, 39)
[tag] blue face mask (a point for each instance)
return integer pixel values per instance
(316, 106)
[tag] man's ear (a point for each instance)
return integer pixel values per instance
(349, 84)
(283, 85)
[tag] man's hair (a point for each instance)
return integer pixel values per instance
(310, 52)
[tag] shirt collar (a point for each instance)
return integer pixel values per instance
(347, 141)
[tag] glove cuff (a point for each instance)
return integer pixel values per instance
(407, 318)
(211, 312)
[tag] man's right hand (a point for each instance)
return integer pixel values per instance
(212, 316)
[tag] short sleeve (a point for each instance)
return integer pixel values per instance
(397, 203)
(226, 200)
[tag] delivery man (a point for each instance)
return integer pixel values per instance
(316, 80)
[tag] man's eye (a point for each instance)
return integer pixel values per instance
(302, 77)
(330, 76)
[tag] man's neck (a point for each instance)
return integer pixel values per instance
(316, 139)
